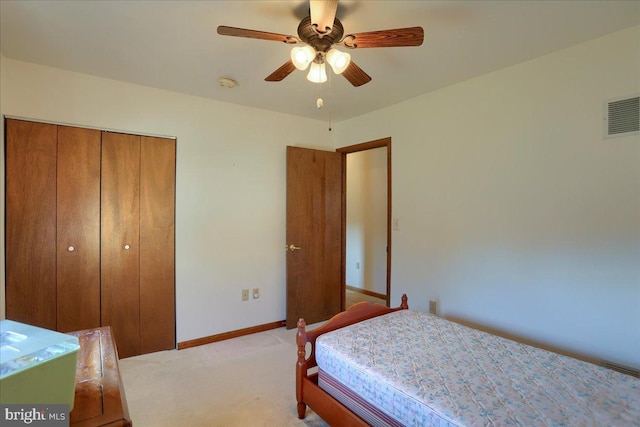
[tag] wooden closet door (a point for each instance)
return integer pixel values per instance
(78, 247)
(31, 222)
(120, 217)
(157, 246)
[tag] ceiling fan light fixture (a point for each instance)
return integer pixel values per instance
(317, 73)
(339, 61)
(302, 56)
(317, 34)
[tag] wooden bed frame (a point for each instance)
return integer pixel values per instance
(308, 393)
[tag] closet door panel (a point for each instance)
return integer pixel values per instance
(157, 247)
(120, 216)
(78, 219)
(30, 233)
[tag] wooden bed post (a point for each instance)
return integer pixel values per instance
(301, 368)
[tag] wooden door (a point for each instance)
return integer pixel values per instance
(314, 228)
(157, 247)
(78, 219)
(120, 234)
(31, 222)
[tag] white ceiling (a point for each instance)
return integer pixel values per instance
(173, 45)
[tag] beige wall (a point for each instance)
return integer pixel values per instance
(514, 212)
(230, 184)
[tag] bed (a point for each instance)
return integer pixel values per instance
(374, 365)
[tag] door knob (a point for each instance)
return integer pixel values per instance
(127, 247)
(292, 248)
(71, 249)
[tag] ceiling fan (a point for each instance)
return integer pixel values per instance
(317, 34)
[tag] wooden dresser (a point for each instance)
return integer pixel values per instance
(100, 399)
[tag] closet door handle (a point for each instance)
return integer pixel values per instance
(127, 247)
(71, 249)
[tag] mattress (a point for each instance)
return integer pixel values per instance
(422, 370)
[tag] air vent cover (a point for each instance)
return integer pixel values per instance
(622, 117)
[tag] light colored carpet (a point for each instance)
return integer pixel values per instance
(245, 381)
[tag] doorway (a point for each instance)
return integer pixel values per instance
(367, 222)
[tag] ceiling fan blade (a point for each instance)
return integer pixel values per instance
(255, 34)
(355, 75)
(323, 13)
(282, 72)
(412, 36)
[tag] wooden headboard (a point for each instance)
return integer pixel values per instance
(356, 313)
(307, 390)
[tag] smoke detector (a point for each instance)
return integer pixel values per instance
(227, 83)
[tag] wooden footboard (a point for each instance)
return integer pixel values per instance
(308, 393)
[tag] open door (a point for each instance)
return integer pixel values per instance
(359, 148)
(314, 235)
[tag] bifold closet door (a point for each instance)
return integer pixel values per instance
(78, 219)
(157, 246)
(120, 219)
(90, 232)
(30, 222)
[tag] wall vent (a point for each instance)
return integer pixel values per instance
(623, 369)
(621, 117)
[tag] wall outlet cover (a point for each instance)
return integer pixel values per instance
(433, 307)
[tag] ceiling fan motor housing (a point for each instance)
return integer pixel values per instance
(321, 43)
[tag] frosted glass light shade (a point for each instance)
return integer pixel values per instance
(302, 56)
(339, 61)
(317, 73)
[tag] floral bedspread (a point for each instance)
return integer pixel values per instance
(424, 370)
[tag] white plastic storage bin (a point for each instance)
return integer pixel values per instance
(37, 366)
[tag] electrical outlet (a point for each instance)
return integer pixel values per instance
(256, 293)
(245, 295)
(433, 307)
